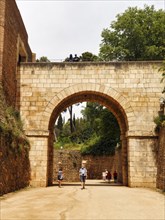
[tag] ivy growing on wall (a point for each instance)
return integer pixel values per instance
(160, 119)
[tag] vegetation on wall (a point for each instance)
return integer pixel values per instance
(14, 149)
(160, 119)
(43, 59)
(11, 127)
(162, 69)
(88, 56)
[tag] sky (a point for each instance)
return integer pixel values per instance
(57, 28)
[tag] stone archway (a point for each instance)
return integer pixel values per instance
(138, 156)
(121, 101)
(45, 89)
(94, 96)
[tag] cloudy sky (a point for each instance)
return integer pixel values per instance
(59, 28)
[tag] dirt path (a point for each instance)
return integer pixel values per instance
(93, 203)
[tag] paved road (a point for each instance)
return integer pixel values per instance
(93, 203)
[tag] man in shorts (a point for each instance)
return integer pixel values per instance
(83, 175)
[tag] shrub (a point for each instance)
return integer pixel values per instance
(12, 129)
(102, 146)
(160, 122)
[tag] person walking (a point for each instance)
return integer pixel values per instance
(115, 176)
(106, 172)
(60, 177)
(109, 176)
(83, 175)
(104, 175)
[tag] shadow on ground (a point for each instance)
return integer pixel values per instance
(90, 183)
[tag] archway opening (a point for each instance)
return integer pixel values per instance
(109, 103)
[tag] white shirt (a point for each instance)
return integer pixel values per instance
(83, 171)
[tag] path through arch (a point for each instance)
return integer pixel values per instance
(102, 99)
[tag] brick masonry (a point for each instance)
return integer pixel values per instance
(131, 90)
(13, 46)
(15, 168)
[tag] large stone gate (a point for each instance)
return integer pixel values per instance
(130, 90)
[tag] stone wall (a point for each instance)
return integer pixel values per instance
(2, 18)
(142, 159)
(13, 47)
(130, 90)
(161, 160)
(133, 87)
(15, 167)
(71, 163)
(38, 150)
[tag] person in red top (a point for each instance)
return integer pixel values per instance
(109, 176)
(115, 176)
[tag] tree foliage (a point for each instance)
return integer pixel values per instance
(85, 57)
(137, 34)
(88, 56)
(60, 122)
(43, 59)
(105, 130)
(97, 132)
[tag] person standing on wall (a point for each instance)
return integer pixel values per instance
(83, 175)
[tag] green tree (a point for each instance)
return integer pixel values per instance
(98, 131)
(72, 118)
(91, 113)
(60, 122)
(88, 56)
(58, 128)
(43, 59)
(105, 131)
(137, 34)
(109, 126)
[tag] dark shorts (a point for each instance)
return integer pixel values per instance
(82, 178)
(59, 177)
